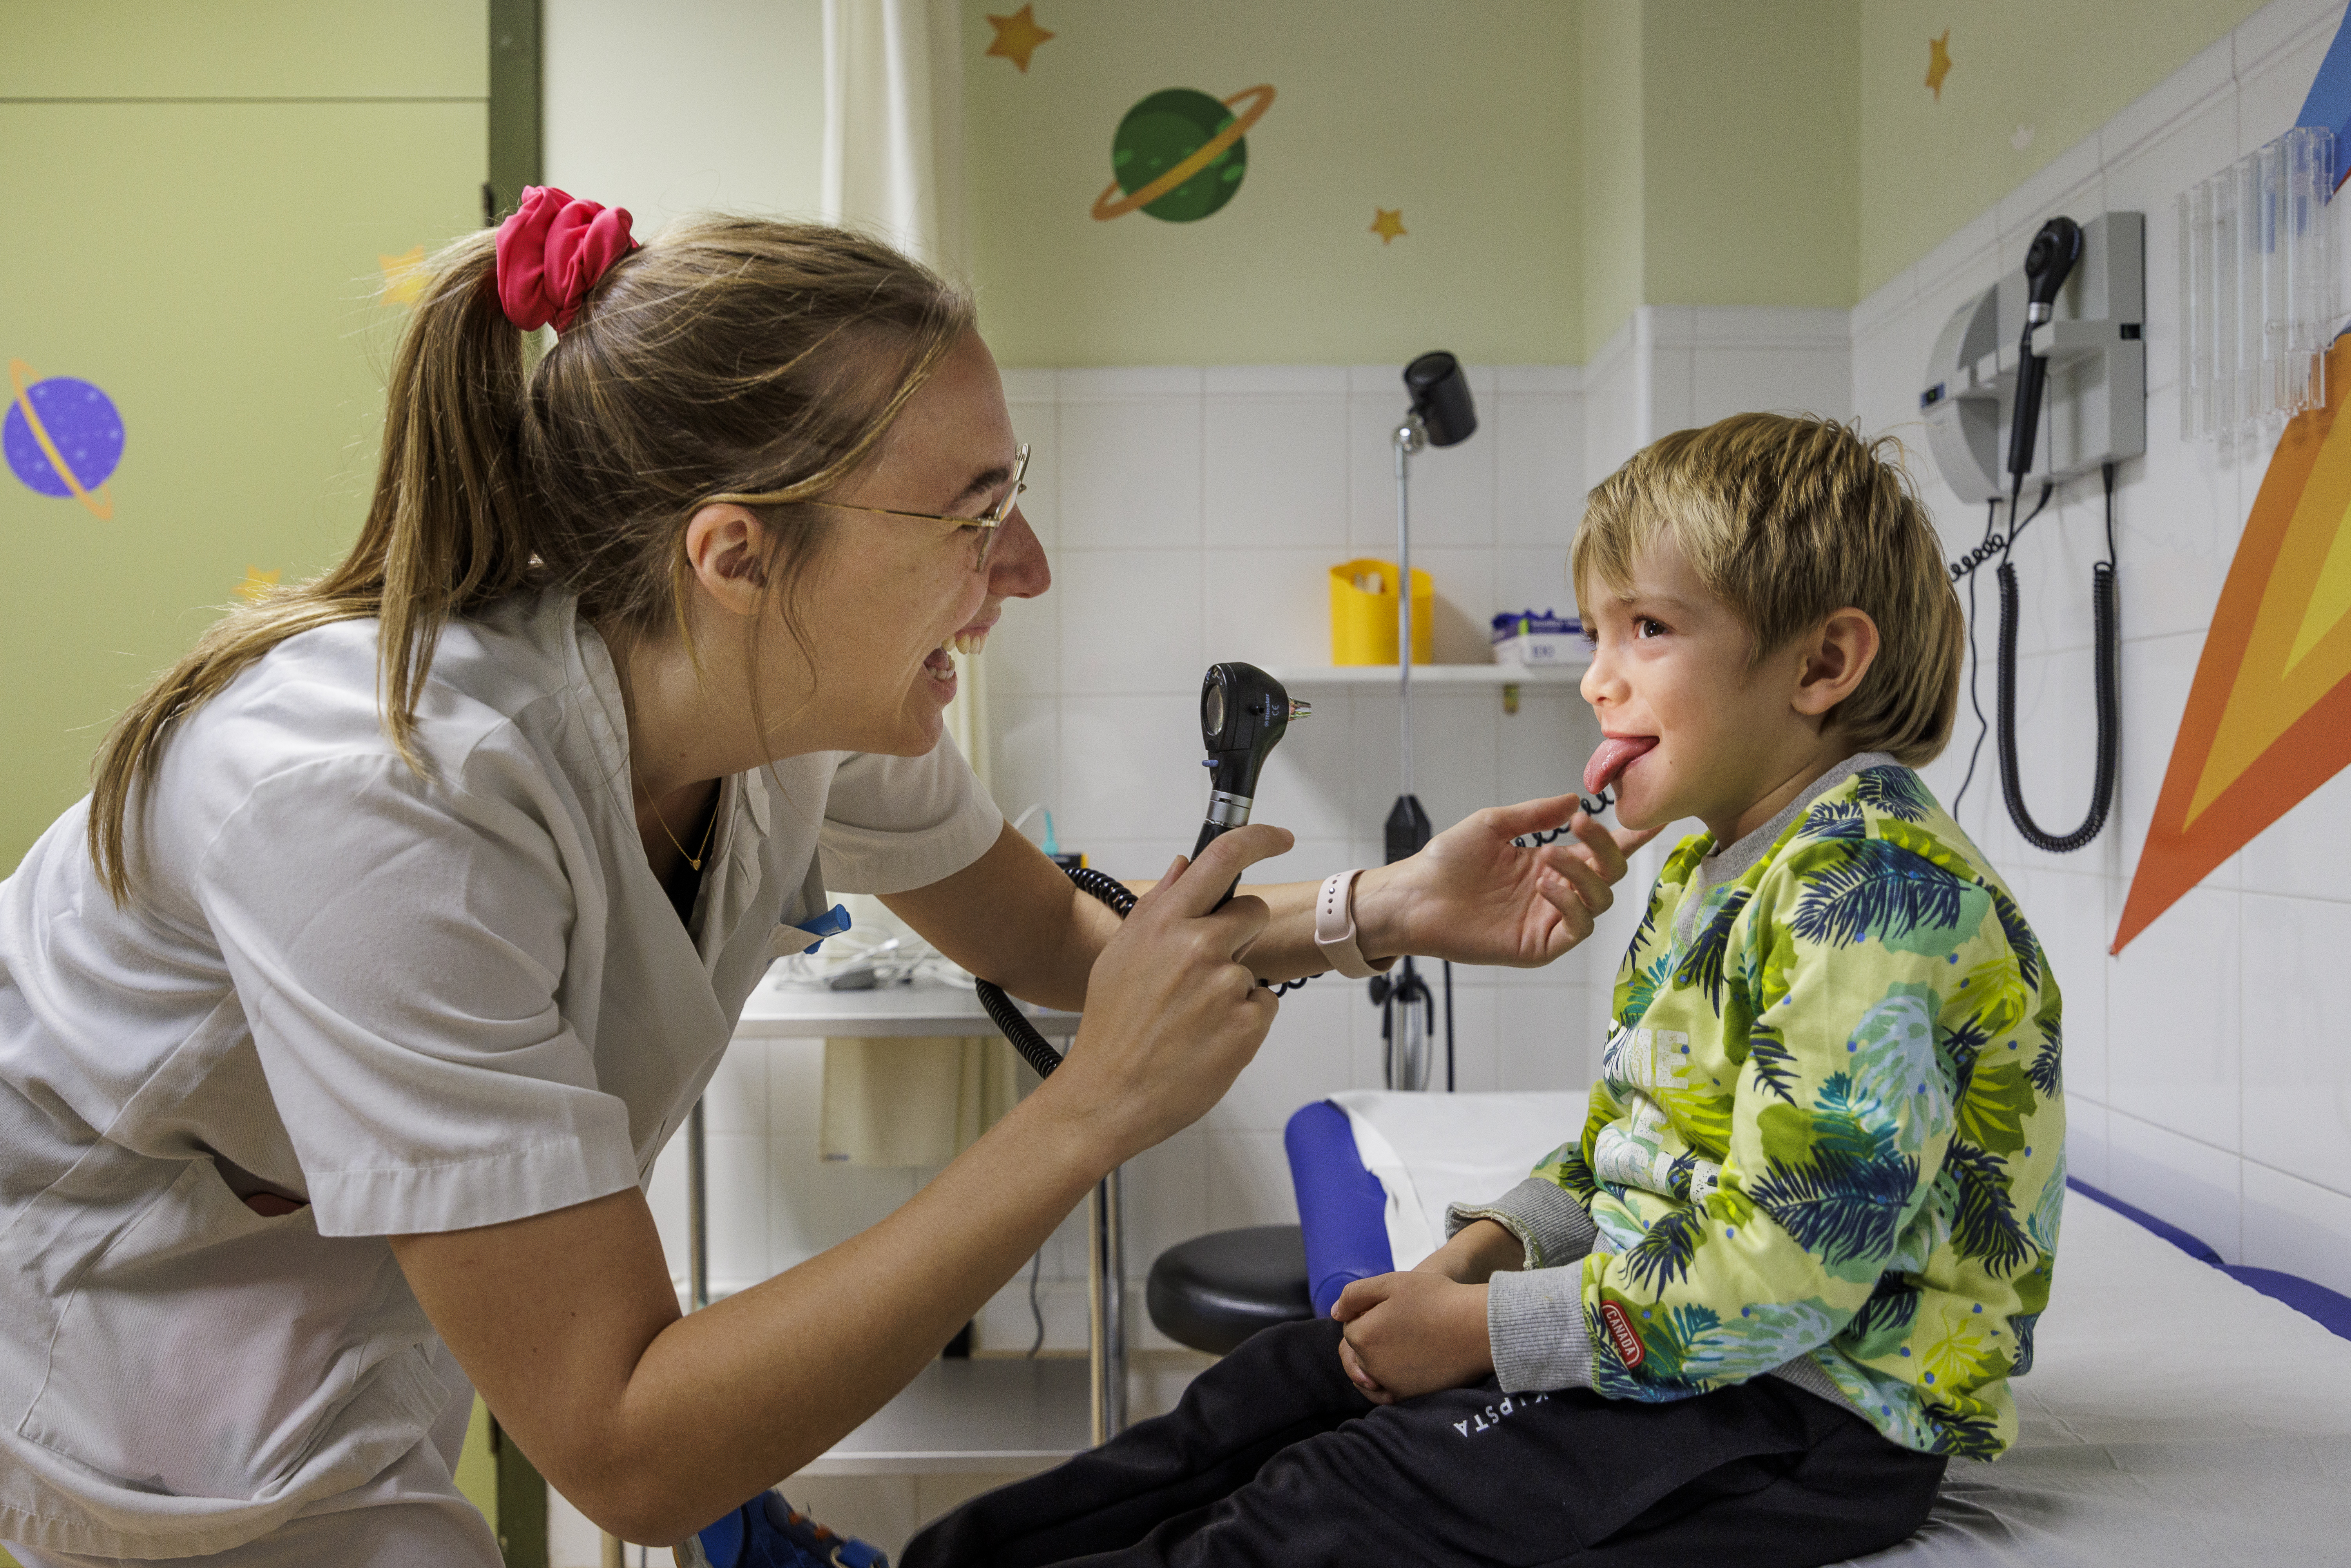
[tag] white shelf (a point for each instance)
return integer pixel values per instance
(1307, 676)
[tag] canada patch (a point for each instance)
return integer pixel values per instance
(1629, 1348)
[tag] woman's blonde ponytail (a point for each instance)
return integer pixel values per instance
(445, 531)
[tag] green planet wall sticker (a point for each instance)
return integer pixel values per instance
(61, 437)
(1179, 154)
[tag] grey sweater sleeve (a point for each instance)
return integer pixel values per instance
(1534, 1318)
(1550, 1225)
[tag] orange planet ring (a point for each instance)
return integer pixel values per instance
(20, 374)
(1210, 151)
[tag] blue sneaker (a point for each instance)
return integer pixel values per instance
(766, 1533)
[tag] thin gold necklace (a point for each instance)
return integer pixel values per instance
(710, 826)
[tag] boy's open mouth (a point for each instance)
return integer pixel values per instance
(1616, 753)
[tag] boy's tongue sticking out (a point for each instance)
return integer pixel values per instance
(1616, 754)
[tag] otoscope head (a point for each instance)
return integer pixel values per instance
(1243, 713)
(2047, 264)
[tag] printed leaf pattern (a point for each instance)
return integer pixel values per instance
(1860, 1045)
(1876, 889)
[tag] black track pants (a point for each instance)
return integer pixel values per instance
(1274, 1458)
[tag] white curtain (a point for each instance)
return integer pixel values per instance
(893, 167)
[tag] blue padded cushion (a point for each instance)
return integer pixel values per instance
(2202, 1250)
(2312, 1300)
(1341, 1207)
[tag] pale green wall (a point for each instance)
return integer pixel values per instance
(211, 265)
(1749, 114)
(2063, 68)
(1614, 210)
(1462, 115)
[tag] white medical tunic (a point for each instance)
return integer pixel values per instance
(419, 1002)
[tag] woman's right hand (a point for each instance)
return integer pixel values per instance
(1171, 1014)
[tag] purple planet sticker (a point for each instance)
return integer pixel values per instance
(61, 437)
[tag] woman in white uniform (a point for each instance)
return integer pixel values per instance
(341, 1026)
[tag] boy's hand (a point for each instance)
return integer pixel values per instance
(1474, 897)
(1477, 1252)
(1409, 1334)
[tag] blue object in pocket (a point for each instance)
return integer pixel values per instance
(832, 923)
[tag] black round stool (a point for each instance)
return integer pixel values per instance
(1215, 1291)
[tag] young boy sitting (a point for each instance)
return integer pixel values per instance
(1802, 1243)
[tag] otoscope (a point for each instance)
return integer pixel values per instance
(2047, 265)
(1243, 714)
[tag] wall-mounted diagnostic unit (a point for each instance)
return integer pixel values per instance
(2094, 410)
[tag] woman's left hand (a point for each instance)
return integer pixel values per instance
(1474, 897)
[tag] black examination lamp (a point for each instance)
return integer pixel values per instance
(1443, 413)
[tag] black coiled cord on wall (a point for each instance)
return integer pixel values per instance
(2109, 701)
(1005, 1012)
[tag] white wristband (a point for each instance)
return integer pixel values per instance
(1335, 928)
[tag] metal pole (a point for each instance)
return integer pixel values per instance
(1407, 438)
(1106, 1297)
(697, 1214)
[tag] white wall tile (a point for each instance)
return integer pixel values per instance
(1454, 756)
(1543, 1040)
(2210, 77)
(737, 1214)
(1249, 1181)
(1305, 1056)
(1131, 769)
(1025, 734)
(1131, 621)
(1024, 649)
(2304, 854)
(2194, 1185)
(737, 1098)
(2296, 1226)
(1775, 378)
(812, 1204)
(2297, 1068)
(1268, 606)
(2086, 1141)
(1277, 473)
(1538, 468)
(2145, 180)
(1129, 472)
(2172, 1050)
(2157, 673)
(1166, 1199)
(2068, 913)
(795, 1086)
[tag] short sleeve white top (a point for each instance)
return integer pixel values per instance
(422, 1002)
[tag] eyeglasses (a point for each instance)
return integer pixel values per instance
(987, 522)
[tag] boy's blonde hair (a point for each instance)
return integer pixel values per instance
(1786, 519)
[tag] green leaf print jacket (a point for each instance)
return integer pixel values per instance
(1828, 1141)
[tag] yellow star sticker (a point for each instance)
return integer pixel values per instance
(403, 276)
(257, 584)
(1017, 36)
(1388, 222)
(1939, 62)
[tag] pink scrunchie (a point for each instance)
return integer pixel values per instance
(552, 251)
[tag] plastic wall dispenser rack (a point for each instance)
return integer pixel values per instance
(2256, 288)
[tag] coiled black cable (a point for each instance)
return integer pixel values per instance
(1965, 567)
(2107, 676)
(1006, 1013)
(1591, 808)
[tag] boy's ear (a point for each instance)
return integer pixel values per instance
(1834, 658)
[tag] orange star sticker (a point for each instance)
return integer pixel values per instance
(1939, 62)
(1388, 222)
(1017, 36)
(257, 584)
(403, 276)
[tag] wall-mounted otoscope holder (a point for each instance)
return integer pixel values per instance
(2093, 405)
